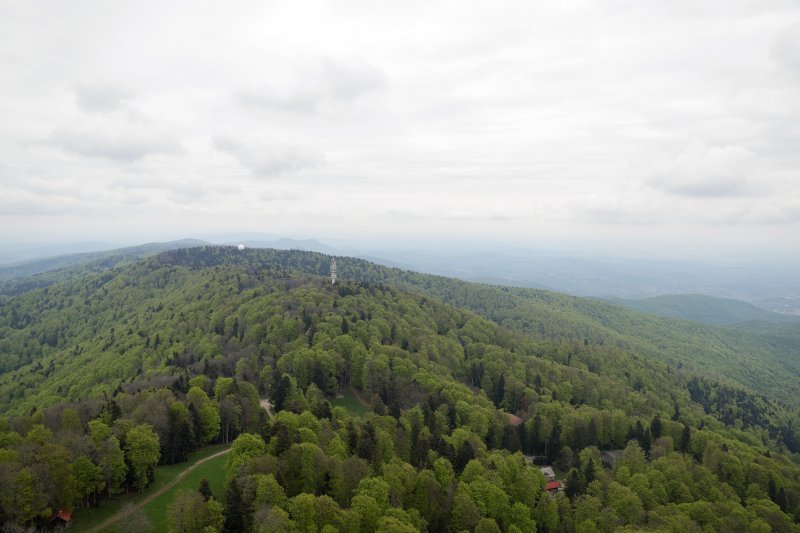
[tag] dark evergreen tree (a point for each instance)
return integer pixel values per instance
(511, 439)
(656, 427)
(464, 455)
(553, 446)
(205, 489)
(686, 437)
(281, 391)
(782, 500)
(283, 437)
(575, 484)
(180, 438)
(499, 391)
(591, 434)
(589, 473)
(367, 442)
(323, 409)
(236, 509)
(578, 436)
(647, 441)
(352, 437)
(772, 489)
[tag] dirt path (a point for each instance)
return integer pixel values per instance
(109, 522)
(360, 398)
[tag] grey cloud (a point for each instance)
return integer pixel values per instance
(269, 196)
(621, 216)
(773, 215)
(29, 209)
(707, 172)
(266, 160)
(326, 84)
(128, 145)
(490, 215)
(787, 48)
(100, 98)
(27, 203)
(187, 194)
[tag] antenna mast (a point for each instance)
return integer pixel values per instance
(333, 271)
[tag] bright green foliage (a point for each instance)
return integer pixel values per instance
(142, 452)
(98, 431)
(245, 447)
(212, 515)
(268, 491)
(207, 413)
(184, 512)
(111, 461)
(487, 525)
(88, 477)
(189, 512)
(20, 499)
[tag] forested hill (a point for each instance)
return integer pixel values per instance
(737, 355)
(762, 359)
(110, 373)
(705, 309)
(43, 272)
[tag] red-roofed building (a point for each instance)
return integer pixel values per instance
(553, 485)
(514, 420)
(62, 516)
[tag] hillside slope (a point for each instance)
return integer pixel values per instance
(149, 321)
(172, 352)
(702, 308)
(759, 360)
(737, 355)
(53, 269)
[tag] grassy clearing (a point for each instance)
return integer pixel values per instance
(85, 519)
(213, 470)
(350, 402)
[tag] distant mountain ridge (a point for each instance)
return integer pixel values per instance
(308, 245)
(16, 279)
(101, 260)
(774, 287)
(703, 308)
(37, 266)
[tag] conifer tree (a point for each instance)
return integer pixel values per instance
(205, 489)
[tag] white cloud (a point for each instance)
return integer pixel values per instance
(787, 48)
(269, 160)
(708, 172)
(100, 98)
(123, 143)
(327, 85)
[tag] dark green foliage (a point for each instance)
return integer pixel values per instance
(205, 489)
(236, 509)
(686, 436)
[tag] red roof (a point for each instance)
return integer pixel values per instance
(513, 419)
(553, 485)
(62, 514)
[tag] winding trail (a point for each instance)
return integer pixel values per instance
(110, 521)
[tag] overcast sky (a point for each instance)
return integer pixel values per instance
(668, 125)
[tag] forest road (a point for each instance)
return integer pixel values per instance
(109, 522)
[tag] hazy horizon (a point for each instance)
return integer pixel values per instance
(650, 130)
